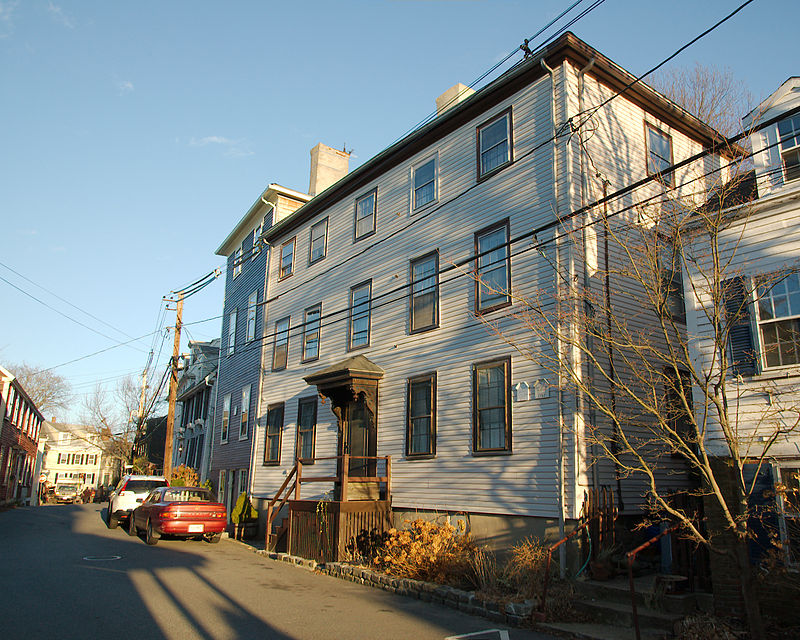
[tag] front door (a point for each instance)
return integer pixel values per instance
(359, 439)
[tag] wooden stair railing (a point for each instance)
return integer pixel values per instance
(271, 512)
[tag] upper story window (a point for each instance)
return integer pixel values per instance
(226, 415)
(365, 214)
(237, 262)
(659, 154)
(244, 426)
(272, 441)
(672, 289)
(789, 131)
(257, 239)
(252, 307)
(424, 183)
(421, 424)
(286, 267)
(311, 327)
(493, 268)
(232, 332)
(280, 352)
(424, 306)
(491, 427)
(360, 308)
(779, 320)
(494, 144)
(318, 243)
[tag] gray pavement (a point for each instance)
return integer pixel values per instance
(66, 575)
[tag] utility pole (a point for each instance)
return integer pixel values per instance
(173, 388)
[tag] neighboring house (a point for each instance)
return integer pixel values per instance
(195, 411)
(377, 340)
(237, 384)
(20, 422)
(149, 444)
(760, 251)
(74, 452)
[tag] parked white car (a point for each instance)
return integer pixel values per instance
(129, 494)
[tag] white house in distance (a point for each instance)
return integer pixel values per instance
(376, 339)
(760, 249)
(73, 452)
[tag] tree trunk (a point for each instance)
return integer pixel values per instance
(749, 593)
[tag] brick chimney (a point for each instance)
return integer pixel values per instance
(328, 165)
(450, 98)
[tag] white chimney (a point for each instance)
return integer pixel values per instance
(450, 98)
(328, 165)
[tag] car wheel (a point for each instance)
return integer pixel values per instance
(112, 522)
(151, 537)
(132, 525)
(214, 538)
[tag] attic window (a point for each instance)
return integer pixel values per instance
(789, 131)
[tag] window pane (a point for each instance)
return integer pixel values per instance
(492, 269)
(273, 441)
(311, 333)
(492, 388)
(287, 259)
(420, 413)
(281, 351)
(365, 215)
(359, 315)
(306, 422)
(492, 429)
(318, 233)
(424, 293)
(425, 183)
(494, 144)
(659, 153)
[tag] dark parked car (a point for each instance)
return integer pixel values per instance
(186, 512)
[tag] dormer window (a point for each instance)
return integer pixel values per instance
(789, 131)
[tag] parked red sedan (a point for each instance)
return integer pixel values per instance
(185, 512)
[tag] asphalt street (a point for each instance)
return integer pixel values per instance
(65, 575)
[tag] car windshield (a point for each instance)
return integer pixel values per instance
(143, 486)
(67, 487)
(188, 495)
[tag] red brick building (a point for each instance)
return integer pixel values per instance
(20, 421)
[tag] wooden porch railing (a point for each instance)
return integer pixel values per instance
(343, 478)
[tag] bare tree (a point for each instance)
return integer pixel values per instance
(659, 409)
(49, 391)
(714, 95)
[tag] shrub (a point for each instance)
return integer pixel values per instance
(427, 551)
(526, 567)
(184, 476)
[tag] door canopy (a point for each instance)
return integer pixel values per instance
(348, 380)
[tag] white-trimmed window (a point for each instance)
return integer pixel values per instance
(779, 320)
(252, 306)
(360, 309)
(286, 267)
(318, 241)
(311, 331)
(231, 332)
(237, 262)
(365, 214)
(789, 132)
(280, 351)
(242, 480)
(494, 144)
(257, 239)
(659, 154)
(424, 181)
(244, 426)
(226, 416)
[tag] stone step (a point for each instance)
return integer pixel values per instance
(621, 615)
(619, 591)
(590, 631)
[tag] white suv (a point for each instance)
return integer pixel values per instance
(129, 494)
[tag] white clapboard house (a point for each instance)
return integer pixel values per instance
(390, 384)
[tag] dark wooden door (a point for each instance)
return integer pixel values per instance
(360, 439)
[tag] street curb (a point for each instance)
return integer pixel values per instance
(516, 614)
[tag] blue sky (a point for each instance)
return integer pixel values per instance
(134, 135)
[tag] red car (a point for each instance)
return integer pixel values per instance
(186, 512)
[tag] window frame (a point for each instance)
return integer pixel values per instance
(226, 419)
(760, 322)
(505, 224)
(284, 273)
(273, 462)
(306, 333)
(673, 294)
(350, 315)
(279, 334)
(509, 117)
(232, 332)
(374, 194)
(256, 248)
(244, 412)
(666, 178)
(252, 316)
(793, 150)
(308, 401)
(476, 409)
(431, 452)
(422, 163)
(237, 262)
(311, 259)
(411, 328)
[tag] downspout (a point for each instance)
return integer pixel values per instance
(586, 283)
(562, 557)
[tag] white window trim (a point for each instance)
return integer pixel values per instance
(226, 400)
(324, 255)
(755, 330)
(237, 262)
(252, 314)
(232, 332)
(421, 163)
(249, 388)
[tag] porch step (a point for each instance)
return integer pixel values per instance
(278, 534)
(621, 615)
(618, 591)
